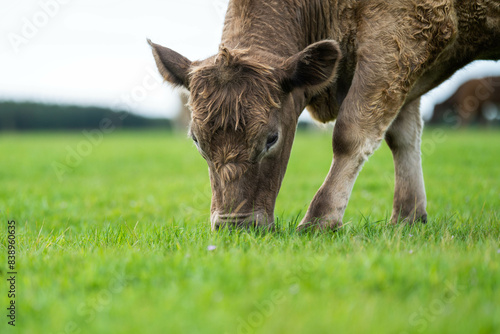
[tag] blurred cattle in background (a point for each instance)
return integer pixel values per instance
(476, 102)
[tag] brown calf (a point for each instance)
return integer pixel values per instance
(364, 64)
(470, 103)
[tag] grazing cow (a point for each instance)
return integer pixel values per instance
(364, 64)
(470, 104)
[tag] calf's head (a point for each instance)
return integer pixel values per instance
(244, 110)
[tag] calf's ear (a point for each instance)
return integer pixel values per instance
(314, 68)
(173, 67)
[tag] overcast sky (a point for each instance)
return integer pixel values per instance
(94, 52)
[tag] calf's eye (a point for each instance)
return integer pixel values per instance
(194, 139)
(271, 141)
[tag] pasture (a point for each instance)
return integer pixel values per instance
(119, 241)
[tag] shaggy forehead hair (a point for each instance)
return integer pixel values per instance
(236, 91)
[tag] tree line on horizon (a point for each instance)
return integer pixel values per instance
(24, 116)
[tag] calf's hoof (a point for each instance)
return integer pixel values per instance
(255, 220)
(409, 219)
(244, 226)
(318, 224)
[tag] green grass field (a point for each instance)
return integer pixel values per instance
(119, 242)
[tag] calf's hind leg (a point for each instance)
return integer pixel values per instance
(403, 138)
